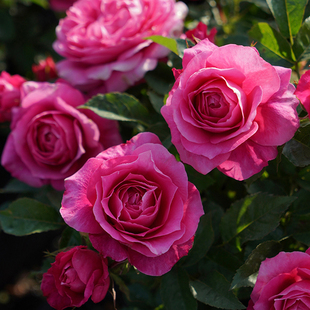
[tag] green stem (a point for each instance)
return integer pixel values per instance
(297, 69)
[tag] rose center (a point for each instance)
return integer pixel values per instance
(215, 105)
(46, 138)
(133, 199)
(70, 279)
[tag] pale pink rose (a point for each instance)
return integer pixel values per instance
(61, 5)
(103, 41)
(50, 138)
(135, 202)
(9, 94)
(229, 109)
(283, 283)
(201, 32)
(74, 277)
(303, 90)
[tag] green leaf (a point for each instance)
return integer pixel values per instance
(160, 79)
(246, 275)
(253, 217)
(157, 100)
(28, 216)
(170, 43)
(202, 182)
(225, 260)
(214, 290)
(273, 47)
(288, 15)
(297, 150)
(182, 45)
(204, 238)
(266, 186)
(43, 3)
(16, 186)
(119, 107)
(301, 46)
(299, 216)
(70, 237)
(175, 290)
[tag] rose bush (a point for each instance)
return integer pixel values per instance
(136, 203)
(103, 41)
(303, 90)
(229, 109)
(9, 94)
(74, 277)
(50, 138)
(283, 283)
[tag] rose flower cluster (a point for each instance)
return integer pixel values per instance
(228, 109)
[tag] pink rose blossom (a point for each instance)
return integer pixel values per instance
(75, 276)
(229, 109)
(135, 202)
(283, 283)
(61, 5)
(9, 94)
(303, 90)
(201, 32)
(50, 138)
(45, 70)
(103, 41)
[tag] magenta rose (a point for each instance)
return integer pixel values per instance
(45, 70)
(201, 32)
(136, 203)
(103, 41)
(303, 90)
(75, 276)
(283, 283)
(229, 109)
(61, 5)
(50, 138)
(9, 94)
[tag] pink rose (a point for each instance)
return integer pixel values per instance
(283, 283)
(136, 203)
(201, 32)
(103, 41)
(303, 90)
(229, 109)
(9, 94)
(50, 138)
(61, 5)
(45, 70)
(75, 276)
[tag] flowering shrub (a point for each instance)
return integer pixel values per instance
(104, 42)
(223, 110)
(188, 191)
(74, 277)
(50, 139)
(282, 282)
(138, 204)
